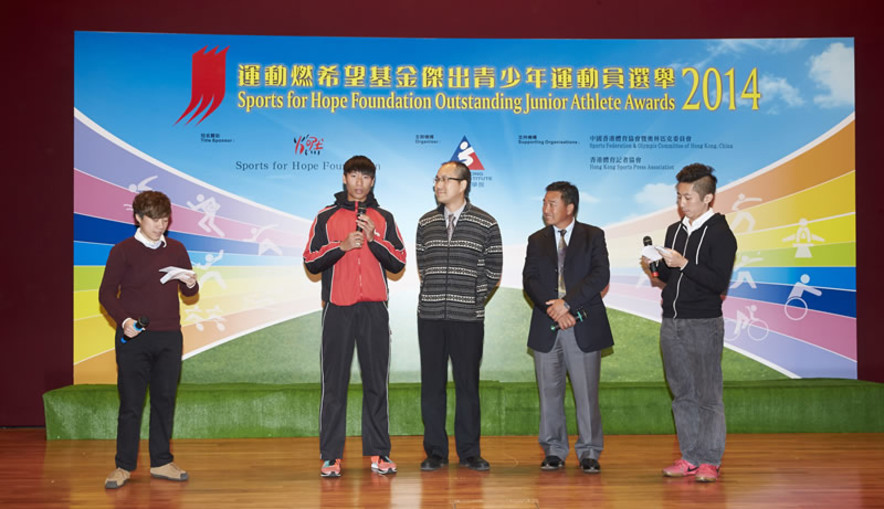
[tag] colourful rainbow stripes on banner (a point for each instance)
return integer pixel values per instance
(792, 300)
(791, 305)
(243, 264)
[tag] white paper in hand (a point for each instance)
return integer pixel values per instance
(173, 272)
(652, 253)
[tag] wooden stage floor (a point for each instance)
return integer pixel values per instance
(786, 470)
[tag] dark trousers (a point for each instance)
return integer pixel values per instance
(691, 351)
(462, 342)
(153, 358)
(367, 326)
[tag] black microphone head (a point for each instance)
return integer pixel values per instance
(647, 240)
(143, 321)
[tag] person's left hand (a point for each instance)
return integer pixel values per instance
(673, 258)
(187, 278)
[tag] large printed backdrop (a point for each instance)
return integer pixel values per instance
(247, 135)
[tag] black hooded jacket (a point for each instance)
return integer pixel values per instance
(696, 291)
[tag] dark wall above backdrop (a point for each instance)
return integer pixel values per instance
(37, 148)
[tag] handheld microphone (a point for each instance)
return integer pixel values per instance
(360, 209)
(139, 325)
(142, 323)
(580, 315)
(653, 266)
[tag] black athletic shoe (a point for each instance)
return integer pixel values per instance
(590, 466)
(552, 463)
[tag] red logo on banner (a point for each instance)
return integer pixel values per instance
(308, 145)
(207, 82)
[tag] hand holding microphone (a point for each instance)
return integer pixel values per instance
(579, 316)
(134, 327)
(654, 265)
(356, 238)
(364, 224)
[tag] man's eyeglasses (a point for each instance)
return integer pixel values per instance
(445, 179)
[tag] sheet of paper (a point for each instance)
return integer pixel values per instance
(173, 272)
(652, 253)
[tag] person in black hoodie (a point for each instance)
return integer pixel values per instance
(699, 258)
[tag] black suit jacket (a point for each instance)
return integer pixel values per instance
(587, 273)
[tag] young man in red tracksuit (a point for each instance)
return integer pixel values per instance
(353, 242)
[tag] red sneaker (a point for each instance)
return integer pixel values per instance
(680, 468)
(331, 468)
(707, 473)
(383, 465)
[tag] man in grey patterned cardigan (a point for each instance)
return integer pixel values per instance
(459, 260)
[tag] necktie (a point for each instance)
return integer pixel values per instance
(562, 248)
(450, 226)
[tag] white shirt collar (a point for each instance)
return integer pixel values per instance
(141, 237)
(697, 223)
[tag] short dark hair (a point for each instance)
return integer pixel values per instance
(700, 175)
(152, 204)
(361, 164)
(569, 192)
(463, 172)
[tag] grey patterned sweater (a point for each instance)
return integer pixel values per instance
(457, 276)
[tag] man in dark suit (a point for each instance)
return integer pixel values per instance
(566, 270)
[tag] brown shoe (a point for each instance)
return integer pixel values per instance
(169, 471)
(117, 479)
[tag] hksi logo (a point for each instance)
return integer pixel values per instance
(467, 155)
(207, 82)
(308, 145)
